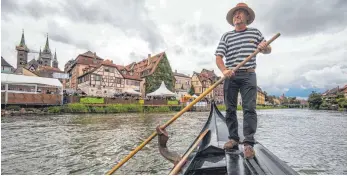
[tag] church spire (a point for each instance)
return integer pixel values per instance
(46, 49)
(55, 55)
(22, 40)
(55, 60)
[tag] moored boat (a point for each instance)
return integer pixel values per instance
(206, 155)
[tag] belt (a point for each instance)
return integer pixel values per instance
(246, 70)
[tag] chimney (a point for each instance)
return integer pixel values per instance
(149, 60)
(175, 71)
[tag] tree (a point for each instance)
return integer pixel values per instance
(315, 100)
(191, 90)
(266, 97)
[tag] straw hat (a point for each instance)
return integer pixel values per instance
(237, 7)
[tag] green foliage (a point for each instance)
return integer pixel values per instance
(113, 108)
(77, 107)
(340, 95)
(97, 109)
(342, 102)
(315, 100)
(91, 100)
(172, 102)
(221, 107)
(191, 90)
(157, 109)
(162, 73)
(13, 107)
(55, 109)
(133, 108)
(324, 105)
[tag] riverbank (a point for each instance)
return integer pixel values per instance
(112, 108)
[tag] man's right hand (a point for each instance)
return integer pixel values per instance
(228, 73)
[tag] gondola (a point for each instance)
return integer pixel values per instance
(208, 157)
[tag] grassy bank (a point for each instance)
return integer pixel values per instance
(239, 107)
(112, 108)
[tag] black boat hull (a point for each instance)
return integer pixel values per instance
(209, 157)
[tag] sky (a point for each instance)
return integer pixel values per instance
(310, 54)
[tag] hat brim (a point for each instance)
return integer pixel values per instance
(230, 14)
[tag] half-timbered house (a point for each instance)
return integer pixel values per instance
(105, 80)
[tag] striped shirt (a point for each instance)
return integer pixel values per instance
(236, 46)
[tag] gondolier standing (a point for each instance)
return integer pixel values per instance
(235, 46)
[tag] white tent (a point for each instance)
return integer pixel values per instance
(132, 91)
(22, 79)
(162, 91)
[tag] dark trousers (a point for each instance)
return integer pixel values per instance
(246, 84)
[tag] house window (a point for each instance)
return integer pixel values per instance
(97, 78)
(107, 69)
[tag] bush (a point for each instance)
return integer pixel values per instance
(134, 108)
(98, 109)
(112, 108)
(342, 102)
(54, 109)
(157, 109)
(77, 107)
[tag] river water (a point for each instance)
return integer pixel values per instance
(311, 142)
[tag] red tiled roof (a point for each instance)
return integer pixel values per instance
(49, 69)
(87, 58)
(142, 66)
(180, 75)
(118, 67)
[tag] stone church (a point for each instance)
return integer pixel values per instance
(44, 60)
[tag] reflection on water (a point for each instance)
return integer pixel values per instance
(312, 142)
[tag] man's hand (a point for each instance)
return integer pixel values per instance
(228, 73)
(263, 48)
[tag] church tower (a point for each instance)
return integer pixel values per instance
(55, 60)
(22, 52)
(46, 55)
(39, 60)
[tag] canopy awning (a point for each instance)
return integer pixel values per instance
(22, 79)
(162, 91)
(132, 91)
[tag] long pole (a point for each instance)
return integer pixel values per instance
(132, 153)
(179, 165)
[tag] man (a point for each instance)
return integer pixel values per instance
(236, 46)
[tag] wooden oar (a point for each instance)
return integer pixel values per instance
(132, 153)
(179, 165)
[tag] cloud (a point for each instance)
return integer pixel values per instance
(309, 55)
(128, 15)
(299, 18)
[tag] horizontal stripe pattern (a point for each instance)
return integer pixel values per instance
(237, 46)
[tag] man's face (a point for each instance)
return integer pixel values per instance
(240, 17)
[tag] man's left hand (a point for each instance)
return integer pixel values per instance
(262, 46)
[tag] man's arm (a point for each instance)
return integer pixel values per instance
(220, 63)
